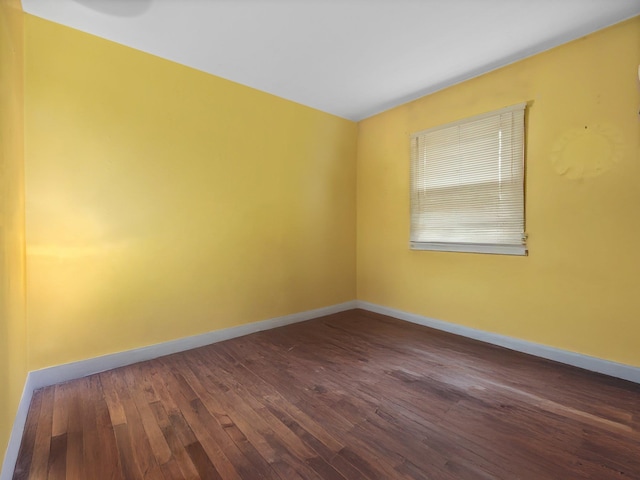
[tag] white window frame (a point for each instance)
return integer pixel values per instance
(509, 242)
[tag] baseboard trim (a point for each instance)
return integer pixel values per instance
(70, 371)
(83, 368)
(11, 454)
(594, 364)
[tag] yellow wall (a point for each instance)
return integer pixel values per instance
(164, 202)
(579, 287)
(13, 342)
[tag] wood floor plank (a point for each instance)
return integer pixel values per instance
(60, 410)
(109, 465)
(25, 455)
(75, 466)
(179, 455)
(130, 467)
(42, 446)
(143, 454)
(92, 453)
(201, 424)
(355, 396)
(202, 462)
(157, 441)
(111, 397)
(170, 469)
(58, 458)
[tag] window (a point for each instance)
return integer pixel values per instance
(467, 185)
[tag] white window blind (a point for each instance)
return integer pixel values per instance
(467, 185)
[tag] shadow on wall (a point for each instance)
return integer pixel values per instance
(117, 8)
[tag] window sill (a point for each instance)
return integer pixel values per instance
(520, 250)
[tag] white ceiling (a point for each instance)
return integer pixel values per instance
(352, 58)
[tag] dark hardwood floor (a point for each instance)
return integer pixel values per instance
(349, 396)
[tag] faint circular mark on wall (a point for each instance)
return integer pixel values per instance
(587, 152)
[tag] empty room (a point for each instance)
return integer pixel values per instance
(309, 239)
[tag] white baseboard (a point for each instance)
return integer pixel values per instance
(594, 364)
(11, 455)
(70, 371)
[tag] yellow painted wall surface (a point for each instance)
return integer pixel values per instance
(579, 287)
(164, 202)
(13, 342)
